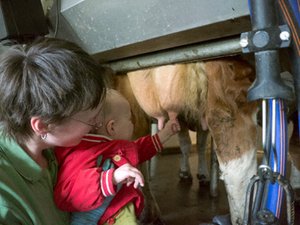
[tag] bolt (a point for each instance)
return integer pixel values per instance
(244, 42)
(261, 39)
(284, 36)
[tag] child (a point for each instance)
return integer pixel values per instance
(110, 194)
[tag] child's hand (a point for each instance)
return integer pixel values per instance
(171, 127)
(128, 174)
(175, 126)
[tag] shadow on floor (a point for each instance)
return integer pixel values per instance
(183, 203)
(187, 203)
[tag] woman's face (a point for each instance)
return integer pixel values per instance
(70, 132)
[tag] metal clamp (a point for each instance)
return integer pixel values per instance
(270, 38)
(264, 216)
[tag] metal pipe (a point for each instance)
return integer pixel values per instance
(268, 83)
(207, 50)
(258, 198)
(248, 200)
(263, 14)
(264, 132)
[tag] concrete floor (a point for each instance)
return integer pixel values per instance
(187, 203)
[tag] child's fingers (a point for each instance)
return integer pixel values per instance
(138, 182)
(129, 181)
(175, 127)
(135, 177)
(129, 175)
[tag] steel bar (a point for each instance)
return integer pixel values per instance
(194, 52)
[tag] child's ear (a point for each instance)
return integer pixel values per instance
(38, 126)
(110, 127)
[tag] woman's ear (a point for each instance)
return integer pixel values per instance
(110, 128)
(38, 126)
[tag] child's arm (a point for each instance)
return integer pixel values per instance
(171, 127)
(128, 174)
(148, 146)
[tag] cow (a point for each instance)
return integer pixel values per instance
(210, 95)
(214, 94)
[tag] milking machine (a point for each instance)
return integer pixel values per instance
(270, 188)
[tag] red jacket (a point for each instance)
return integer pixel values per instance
(82, 186)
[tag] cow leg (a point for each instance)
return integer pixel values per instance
(185, 148)
(203, 175)
(295, 181)
(294, 153)
(214, 171)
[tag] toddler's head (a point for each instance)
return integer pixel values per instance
(115, 117)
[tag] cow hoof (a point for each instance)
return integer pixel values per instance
(297, 196)
(222, 220)
(203, 181)
(185, 176)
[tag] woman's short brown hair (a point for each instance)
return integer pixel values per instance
(52, 79)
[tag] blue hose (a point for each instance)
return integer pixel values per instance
(278, 154)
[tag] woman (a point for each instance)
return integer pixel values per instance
(44, 88)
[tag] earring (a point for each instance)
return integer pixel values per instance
(43, 136)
